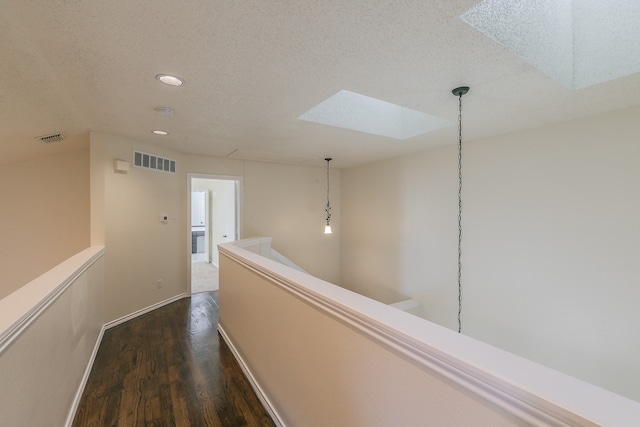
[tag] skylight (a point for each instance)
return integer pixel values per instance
(349, 110)
(579, 43)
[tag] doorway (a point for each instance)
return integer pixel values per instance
(214, 218)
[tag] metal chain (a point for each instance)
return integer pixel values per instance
(460, 214)
(328, 208)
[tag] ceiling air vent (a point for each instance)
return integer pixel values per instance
(54, 137)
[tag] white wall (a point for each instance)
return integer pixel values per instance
(44, 214)
(279, 201)
(43, 367)
(550, 242)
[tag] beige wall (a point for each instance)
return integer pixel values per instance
(550, 242)
(140, 249)
(280, 201)
(287, 203)
(317, 369)
(44, 218)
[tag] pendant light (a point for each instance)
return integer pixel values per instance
(459, 91)
(327, 227)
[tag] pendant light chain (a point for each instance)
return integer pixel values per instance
(459, 91)
(460, 214)
(328, 208)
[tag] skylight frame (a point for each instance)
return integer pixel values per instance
(579, 43)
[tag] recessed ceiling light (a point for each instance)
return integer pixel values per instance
(170, 80)
(159, 132)
(349, 110)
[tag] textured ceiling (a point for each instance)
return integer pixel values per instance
(253, 66)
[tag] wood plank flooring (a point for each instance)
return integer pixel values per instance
(169, 368)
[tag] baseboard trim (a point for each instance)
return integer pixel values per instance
(85, 378)
(146, 310)
(254, 384)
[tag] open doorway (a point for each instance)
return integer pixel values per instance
(213, 219)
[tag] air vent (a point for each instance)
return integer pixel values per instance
(152, 161)
(54, 137)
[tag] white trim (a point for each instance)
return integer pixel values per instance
(406, 305)
(252, 241)
(529, 391)
(284, 260)
(142, 311)
(254, 384)
(83, 383)
(21, 308)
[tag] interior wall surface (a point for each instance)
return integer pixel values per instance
(317, 370)
(141, 249)
(42, 370)
(287, 202)
(44, 217)
(549, 249)
(280, 201)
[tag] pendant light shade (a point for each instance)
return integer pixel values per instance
(327, 227)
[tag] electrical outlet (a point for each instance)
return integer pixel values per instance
(159, 283)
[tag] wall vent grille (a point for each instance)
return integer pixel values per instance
(54, 137)
(152, 161)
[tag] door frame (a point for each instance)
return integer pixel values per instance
(238, 197)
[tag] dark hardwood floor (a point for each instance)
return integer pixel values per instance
(169, 368)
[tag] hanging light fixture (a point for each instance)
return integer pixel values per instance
(327, 227)
(459, 91)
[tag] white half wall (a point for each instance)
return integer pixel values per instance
(318, 354)
(50, 330)
(314, 368)
(550, 242)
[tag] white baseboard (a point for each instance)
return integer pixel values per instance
(85, 378)
(146, 310)
(254, 384)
